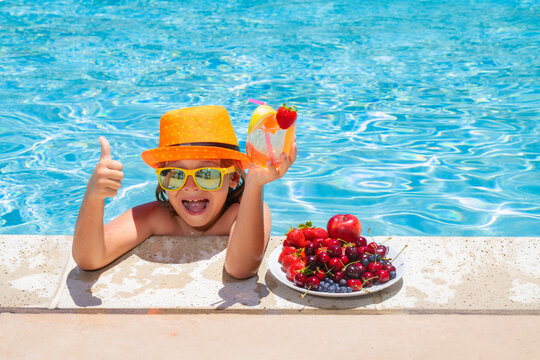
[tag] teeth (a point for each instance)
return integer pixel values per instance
(196, 206)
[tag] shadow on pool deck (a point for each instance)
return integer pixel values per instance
(249, 292)
(157, 250)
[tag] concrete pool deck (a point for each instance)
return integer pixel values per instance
(483, 292)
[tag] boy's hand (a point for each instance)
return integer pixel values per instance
(107, 176)
(261, 176)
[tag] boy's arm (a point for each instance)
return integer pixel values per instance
(96, 245)
(249, 234)
(251, 231)
(88, 239)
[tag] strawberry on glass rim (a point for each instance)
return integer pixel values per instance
(270, 133)
(286, 116)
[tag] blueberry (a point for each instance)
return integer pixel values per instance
(331, 290)
(365, 262)
(392, 275)
(349, 290)
(342, 282)
(373, 258)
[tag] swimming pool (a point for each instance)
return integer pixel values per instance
(421, 118)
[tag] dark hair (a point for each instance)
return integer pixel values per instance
(233, 196)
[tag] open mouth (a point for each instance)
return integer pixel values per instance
(195, 207)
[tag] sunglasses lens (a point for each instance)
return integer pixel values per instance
(172, 179)
(208, 179)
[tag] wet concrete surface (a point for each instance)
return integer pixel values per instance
(185, 275)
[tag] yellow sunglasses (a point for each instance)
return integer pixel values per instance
(207, 178)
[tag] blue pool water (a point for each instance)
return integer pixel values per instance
(419, 117)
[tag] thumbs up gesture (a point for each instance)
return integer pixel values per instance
(107, 176)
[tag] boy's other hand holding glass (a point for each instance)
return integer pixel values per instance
(260, 176)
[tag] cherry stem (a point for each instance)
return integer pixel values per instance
(306, 271)
(353, 262)
(394, 259)
(389, 238)
(369, 232)
(371, 278)
(361, 288)
(304, 294)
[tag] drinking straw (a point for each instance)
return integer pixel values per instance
(269, 147)
(258, 102)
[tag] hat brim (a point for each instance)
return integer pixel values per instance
(159, 155)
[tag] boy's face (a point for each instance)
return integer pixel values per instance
(195, 206)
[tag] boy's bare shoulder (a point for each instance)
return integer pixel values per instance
(155, 215)
(153, 208)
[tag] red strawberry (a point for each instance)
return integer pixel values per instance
(287, 250)
(308, 230)
(295, 237)
(294, 269)
(309, 234)
(288, 260)
(286, 116)
(320, 233)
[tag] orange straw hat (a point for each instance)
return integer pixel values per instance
(201, 132)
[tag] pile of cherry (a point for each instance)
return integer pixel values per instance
(316, 261)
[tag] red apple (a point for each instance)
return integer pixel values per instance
(345, 227)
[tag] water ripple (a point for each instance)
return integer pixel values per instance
(421, 119)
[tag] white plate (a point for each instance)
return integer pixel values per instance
(275, 268)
